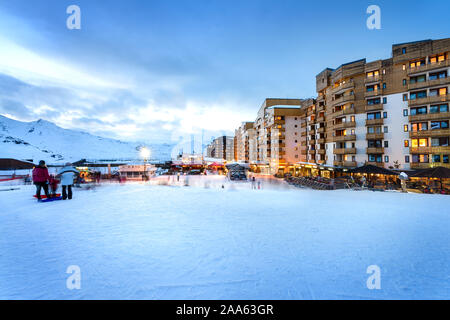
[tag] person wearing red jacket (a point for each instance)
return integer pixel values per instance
(40, 179)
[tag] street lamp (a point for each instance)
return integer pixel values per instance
(145, 153)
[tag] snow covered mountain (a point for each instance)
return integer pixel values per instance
(43, 140)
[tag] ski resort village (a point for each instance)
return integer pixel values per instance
(344, 195)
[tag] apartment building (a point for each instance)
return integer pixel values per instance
(277, 135)
(393, 113)
(221, 148)
(244, 142)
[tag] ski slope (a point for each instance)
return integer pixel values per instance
(139, 241)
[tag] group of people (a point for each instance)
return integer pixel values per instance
(42, 180)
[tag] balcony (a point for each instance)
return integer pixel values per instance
(349, 137)
(429, 100)
(375, 150)
(321, 141)
(429, 83)
(429, 133)
(430, 116)
(321, 151)
(304, 152)
(344, 112)
(373, 93)
(320, 119)
(312, 142)
(343, 125)
(345, 151)
(428, 150)
(429, 67)
(373, 79)
(374, 136)
(374, 107)
(420, 165)
(303, 134)
(374, 122)
(320, 130)
(345, 164)
(378, 164)
(344, 99)
(312, 152)
(346, 86)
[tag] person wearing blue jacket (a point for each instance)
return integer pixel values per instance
(67, 174)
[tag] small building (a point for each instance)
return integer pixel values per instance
(137, 172)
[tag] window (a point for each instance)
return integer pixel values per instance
(386, 158)
(384, 114)
(422, 142)
(436, 158)
(386, 144)
(418, 95)
(375, 158)
(445, 158)
(420, 158)
(419, 126)
(417, 63)
(438, 75)
(404, 82)
(405, 97)
(384, 100)
(404, 67)
(404, 50)
(438, 125)
(439, 108)
(418, 110)
(406, 159)
(406, 143)
(384, 85)
(418, 79)
(373, 101)
(439, 142)
(374, 115)
(385, 129)
(405, 112)
(405, 128)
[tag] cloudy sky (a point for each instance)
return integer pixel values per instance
(156, 71)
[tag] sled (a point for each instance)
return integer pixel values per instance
(51, 199)
(58, 195)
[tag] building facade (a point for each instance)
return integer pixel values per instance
(392, 113)
(221, 148)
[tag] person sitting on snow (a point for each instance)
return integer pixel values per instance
(67, 174)
(40, 179)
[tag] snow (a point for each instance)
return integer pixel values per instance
(43, 140)
(150, 241)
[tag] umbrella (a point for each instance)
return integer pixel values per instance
(368, 168)
(438, 173)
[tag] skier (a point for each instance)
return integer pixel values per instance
(40, 179)
(67, 174)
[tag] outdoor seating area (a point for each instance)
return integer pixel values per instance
(317, 183)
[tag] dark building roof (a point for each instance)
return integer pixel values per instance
(14, 164)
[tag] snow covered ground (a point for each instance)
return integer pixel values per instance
(139, 241)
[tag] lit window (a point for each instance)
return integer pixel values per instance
(406, 143)
(405, 128)
(414, 143)
(441, 58)
(423, 142)
(404, 67)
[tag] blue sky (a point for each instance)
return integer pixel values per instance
(160, 70)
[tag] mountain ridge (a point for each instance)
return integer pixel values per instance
(44, 140)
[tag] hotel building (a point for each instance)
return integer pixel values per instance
(221, 148)
(393, 113)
